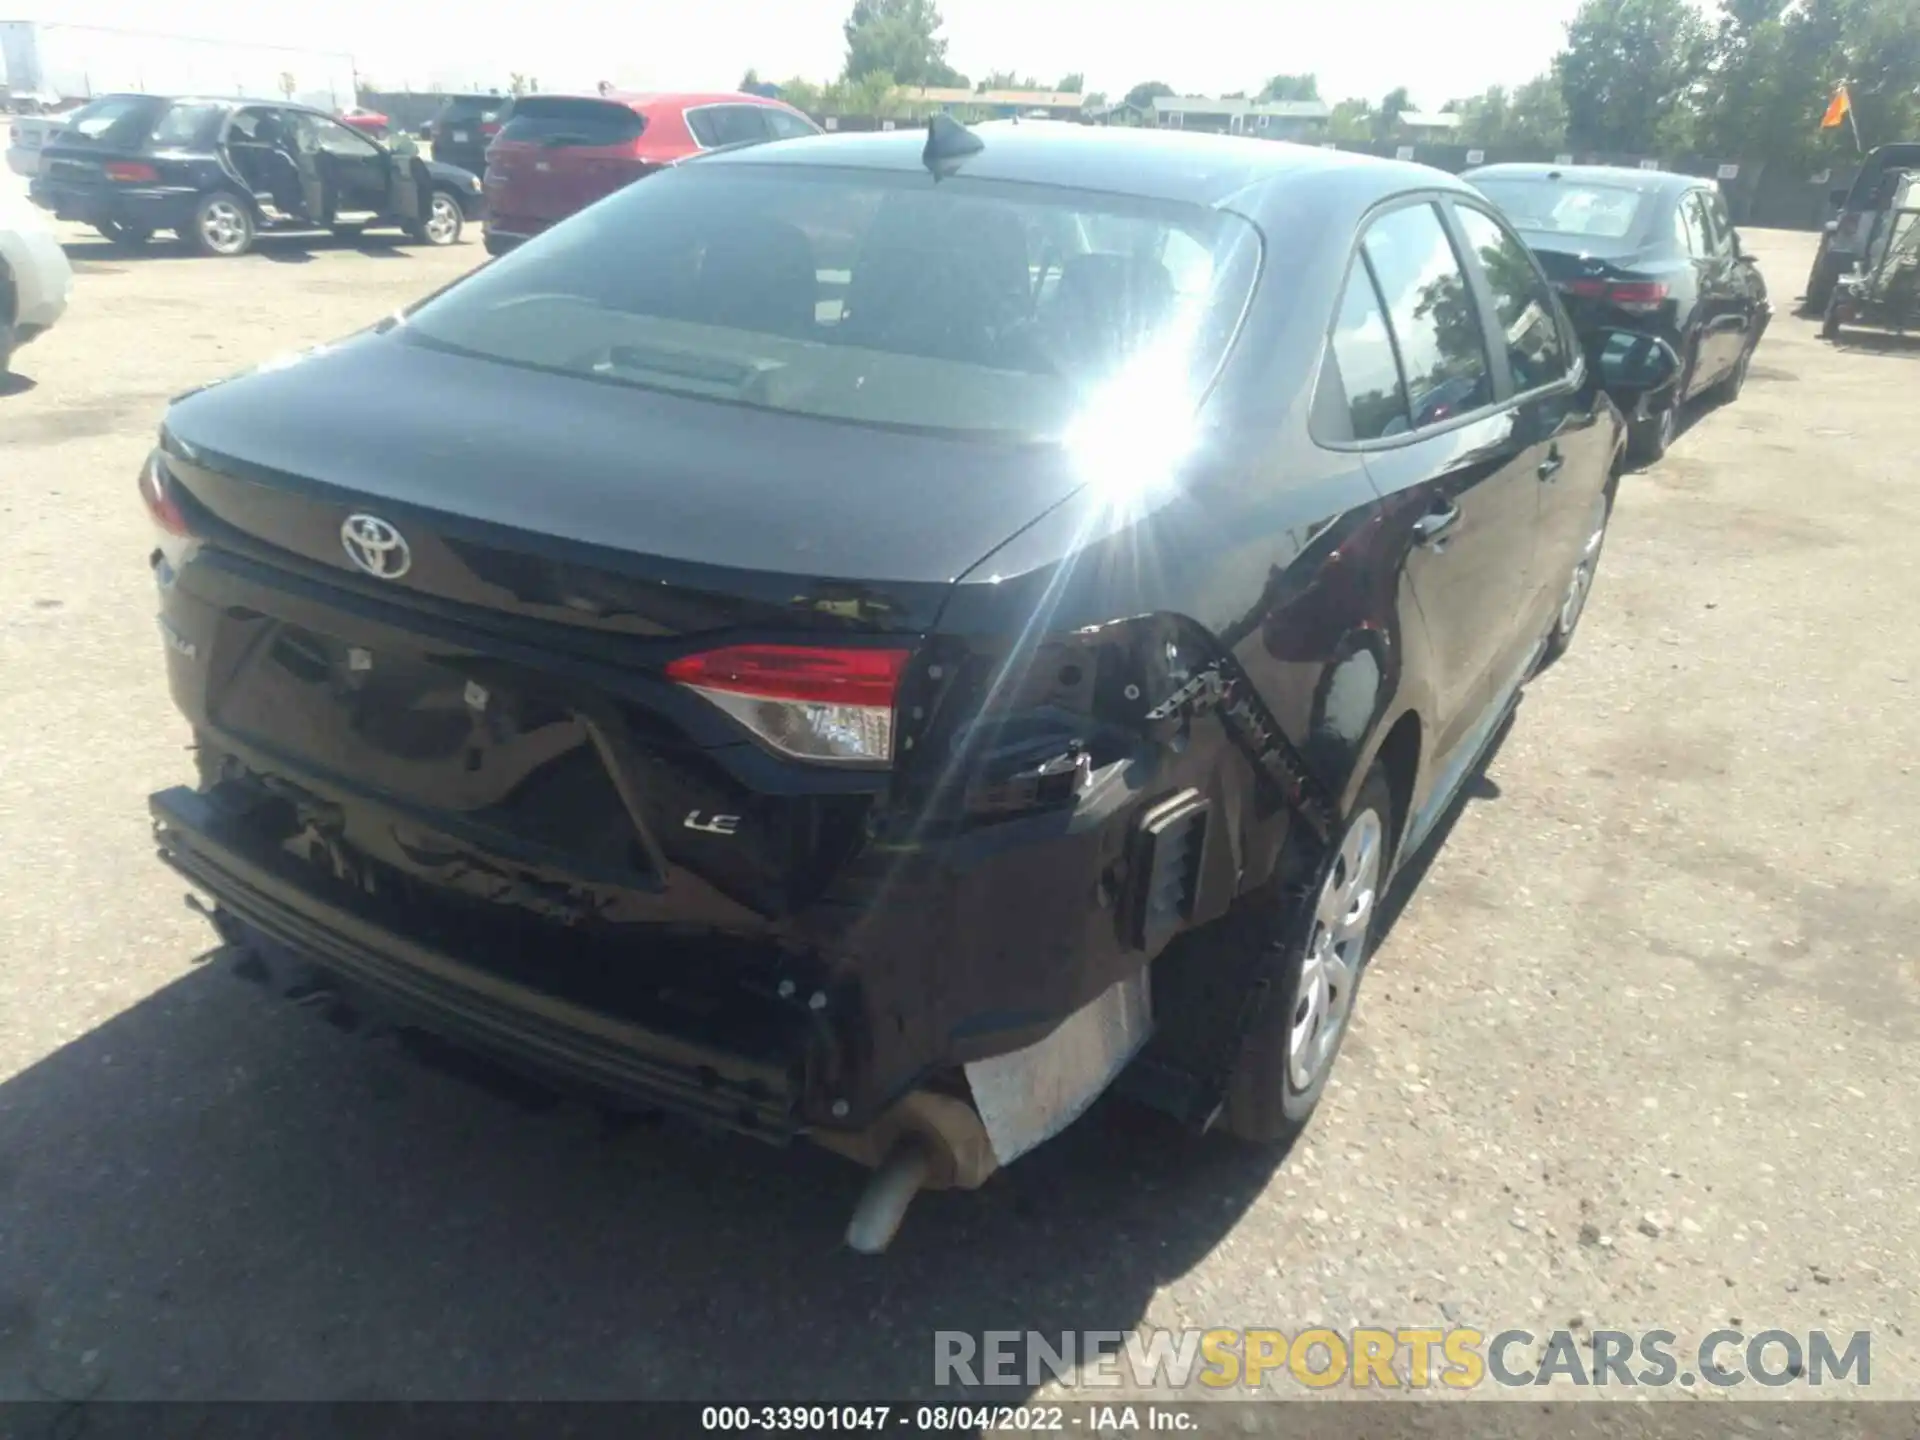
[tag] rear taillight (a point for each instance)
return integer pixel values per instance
(1634, 295)
(489, 128)
(157, 493)
(130, 172)
(812, 703)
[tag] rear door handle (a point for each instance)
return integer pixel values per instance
(1553, 464)
(1431, 528)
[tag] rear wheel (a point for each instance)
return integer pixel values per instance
(442, 222)
(1820, 282)
(1728, 390)
(222, 225)
(1830, 325)
(126, 236)
(1573, 601)
(1649, 440)
(1317, 948)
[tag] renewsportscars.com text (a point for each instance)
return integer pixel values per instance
(1412, 1358)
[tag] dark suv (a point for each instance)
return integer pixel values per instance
(465, 126)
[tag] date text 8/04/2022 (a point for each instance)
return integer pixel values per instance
(945, 1419)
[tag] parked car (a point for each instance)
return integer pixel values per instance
(370, 123)
(219, 172)
(27, 135)
(463, 128)
(559, 153)
(888, 718)
(1844, 240)
(1646, 250)
(35, 278)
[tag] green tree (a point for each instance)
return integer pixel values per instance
(1142, 96)
(1074, 84)
(900, 38)
(1352, 120)
(1291, 87)
(803, 95)
(1538, 115)
(1631, 71)
(748, 81)
(1387, 118)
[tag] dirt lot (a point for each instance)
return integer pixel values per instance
(1639, 1053)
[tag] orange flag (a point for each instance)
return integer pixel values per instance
(1837, 110)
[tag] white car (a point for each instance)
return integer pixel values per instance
(35, 278)
(26, 136)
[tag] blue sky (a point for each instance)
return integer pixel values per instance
(1438, 48)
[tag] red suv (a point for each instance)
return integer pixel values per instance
(560, 153)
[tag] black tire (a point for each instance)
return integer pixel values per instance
(1726, 391)
(441, 222)
(124, 235)
(1649, 440)
(1566, 620)
(1269, 1102)
(222, 226)
(1821, 280)
(498, 245)
(1830, 323)
(6, 318)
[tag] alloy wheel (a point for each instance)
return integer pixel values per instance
(1330, 973)
(443, 219)
(223, 226)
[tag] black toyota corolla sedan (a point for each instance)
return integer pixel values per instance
(904, 632)
(1645, 250)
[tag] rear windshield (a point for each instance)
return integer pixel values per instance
(568, 120)
(1560, 207)
(472, 107)
(872, 297)
(127, 122)
(114, 119)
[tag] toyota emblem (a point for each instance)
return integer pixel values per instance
(376, 547)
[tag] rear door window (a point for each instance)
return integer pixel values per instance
(1363, 352)
(1538, 352)
(716, 125)
(1432, 314)
(558, 120)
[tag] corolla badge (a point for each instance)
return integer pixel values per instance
(376, 546)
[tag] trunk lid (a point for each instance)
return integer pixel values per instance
(560, 153)
(558, 499)
(1589, 278)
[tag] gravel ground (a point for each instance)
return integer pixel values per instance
(1638, 1053)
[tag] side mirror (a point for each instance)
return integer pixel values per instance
(1631, 363)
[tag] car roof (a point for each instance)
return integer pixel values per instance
(1625, 177)
(654, 99)
(1152, 164)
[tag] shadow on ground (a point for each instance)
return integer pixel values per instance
(104, 257)
(217, 1195)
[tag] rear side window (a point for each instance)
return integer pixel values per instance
(1537, 349)
(1431, 312)
(876, 297)
(786, 125)
(714, 125)
(571, 120)
(1363, 351)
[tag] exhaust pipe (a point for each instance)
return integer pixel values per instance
(928, 1141)
(883, 1205)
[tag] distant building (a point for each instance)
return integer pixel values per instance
(1264, 119)
(919, 100)
(1428, 125)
